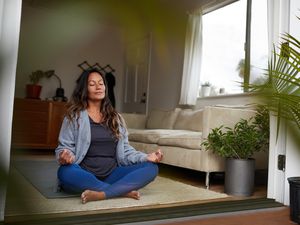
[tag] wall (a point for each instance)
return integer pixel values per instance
(292, 142)
(60, 36)
(166, 71)
(54, 38)
(168, 55)
(10, 14)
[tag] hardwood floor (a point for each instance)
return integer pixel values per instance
(197, 179)
(277, 216)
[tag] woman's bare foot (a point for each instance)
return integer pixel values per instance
(89, 195)
(133, 194)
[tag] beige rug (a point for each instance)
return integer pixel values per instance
(159, 193)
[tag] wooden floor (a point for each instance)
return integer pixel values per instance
(197, 179)
(277, 216)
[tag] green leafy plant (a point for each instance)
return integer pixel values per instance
(281, 91)
(35, 76)
(206, 84)
(243, 140)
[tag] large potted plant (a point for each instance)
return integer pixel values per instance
(33, 90)
(237, 145)
(281, 95)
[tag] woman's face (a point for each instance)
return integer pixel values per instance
(96, 87)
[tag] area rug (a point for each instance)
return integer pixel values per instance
(162, 191)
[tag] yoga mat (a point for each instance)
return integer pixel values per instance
(42, 175)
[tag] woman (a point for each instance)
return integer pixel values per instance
(94, 154)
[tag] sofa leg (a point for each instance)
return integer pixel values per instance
(207, 180)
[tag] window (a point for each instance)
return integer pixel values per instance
(224, 32)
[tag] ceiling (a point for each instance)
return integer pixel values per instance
(180, 4)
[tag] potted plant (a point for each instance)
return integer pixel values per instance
(205, 89)
(237, 145)
(281, 95)
(33, 90)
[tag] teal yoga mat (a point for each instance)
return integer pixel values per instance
(42, 175)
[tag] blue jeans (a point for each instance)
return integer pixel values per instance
(121, 181)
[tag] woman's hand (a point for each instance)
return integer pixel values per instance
(66, 157)
(155, 157)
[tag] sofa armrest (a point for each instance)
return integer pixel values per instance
(216, 116)
(135, 121)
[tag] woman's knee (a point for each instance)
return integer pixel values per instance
(66, 171)
(152, 169)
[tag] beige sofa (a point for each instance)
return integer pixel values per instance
(179, 133)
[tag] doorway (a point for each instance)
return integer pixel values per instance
(137, 75)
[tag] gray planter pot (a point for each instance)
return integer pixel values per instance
(239, 176)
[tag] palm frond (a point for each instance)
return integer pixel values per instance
(281, 91)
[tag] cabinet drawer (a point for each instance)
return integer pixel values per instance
(36, 123)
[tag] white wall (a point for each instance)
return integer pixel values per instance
(60, 37)
(292, 143)
(10, 14)
(166, 72)
(52, 38)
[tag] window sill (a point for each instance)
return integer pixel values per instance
(245, 94)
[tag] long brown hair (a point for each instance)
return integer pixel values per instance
(79, 102)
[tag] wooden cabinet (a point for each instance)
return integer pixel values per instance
(36, 123)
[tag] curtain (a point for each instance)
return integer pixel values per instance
(192, 59)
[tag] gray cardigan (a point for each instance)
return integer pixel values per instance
(78, 138)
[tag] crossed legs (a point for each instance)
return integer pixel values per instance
(123, 181)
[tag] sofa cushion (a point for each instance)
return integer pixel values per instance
(132, 120)
(159, 119)
(189, 120)
(147, 136)
(182, 138)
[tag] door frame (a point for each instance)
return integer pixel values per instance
(148, 38)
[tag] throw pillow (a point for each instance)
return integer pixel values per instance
(189, 120)
(159, 119)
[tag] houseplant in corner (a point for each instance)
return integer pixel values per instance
(281, 95)
(237, 145)
(33, 90)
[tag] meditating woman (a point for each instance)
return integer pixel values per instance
(95, 157)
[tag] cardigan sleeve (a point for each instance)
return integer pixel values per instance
(66, 139)
(129, 155)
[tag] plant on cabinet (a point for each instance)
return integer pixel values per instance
(33, 90)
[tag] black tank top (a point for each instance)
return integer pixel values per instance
(101, 156)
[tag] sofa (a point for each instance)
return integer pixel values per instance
(180, 132)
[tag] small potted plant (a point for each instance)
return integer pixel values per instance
(33, 90)
(205, 89)
(237, 145)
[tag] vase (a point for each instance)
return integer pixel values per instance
(33, 91)
(205, 91)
